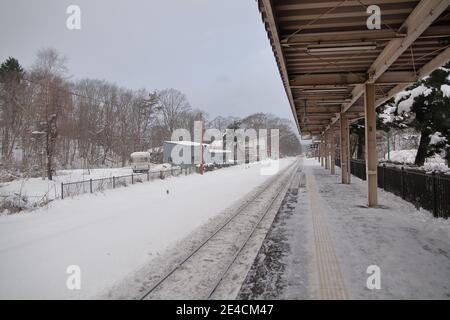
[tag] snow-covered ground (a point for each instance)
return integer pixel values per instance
(411, 248)
(112, 234)
(402, 156)
(36, 189)
(435, 162)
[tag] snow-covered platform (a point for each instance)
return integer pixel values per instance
(325, 244)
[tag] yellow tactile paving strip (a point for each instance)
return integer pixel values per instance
(330, 279)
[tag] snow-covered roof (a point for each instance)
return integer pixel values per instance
(219, 150)
(140, 154)
(186, 143)
(155, 149)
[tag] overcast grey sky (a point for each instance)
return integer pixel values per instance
(215, 51)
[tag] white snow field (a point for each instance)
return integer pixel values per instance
(110, 235)
(436, 162)
(35, 189)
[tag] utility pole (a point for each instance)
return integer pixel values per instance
(201, 146)
(51, 132)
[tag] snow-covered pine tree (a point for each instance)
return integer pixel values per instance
(11, 87)
(425, 106)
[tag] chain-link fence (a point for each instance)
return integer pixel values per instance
(71, 189)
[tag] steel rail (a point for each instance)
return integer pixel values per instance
(220, 228)
(255, 227)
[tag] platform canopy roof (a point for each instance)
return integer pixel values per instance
(326, 53)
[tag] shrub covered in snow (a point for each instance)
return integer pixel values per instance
(13, 203)
(402, 156)
(407, 157)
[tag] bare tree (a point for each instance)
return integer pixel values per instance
(221, 123)
(49, 71)
(172, 107)
(57, 123)
(288, 140)
(143, 116)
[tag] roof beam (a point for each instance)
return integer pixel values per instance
(343, 13)
(302, 5)
(328, 79)
(311, 109)
(314, 98)
(437, 62)
(338, 23)
(270, 18)
(394, 77)
(417, 22)
(351, 79)
(312, 126)
(361, 35)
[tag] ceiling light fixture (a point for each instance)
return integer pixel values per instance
(325, 90)
(330, 102)
(359, 46)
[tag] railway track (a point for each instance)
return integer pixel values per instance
(201, 272)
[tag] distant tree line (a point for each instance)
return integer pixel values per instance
(49, 122)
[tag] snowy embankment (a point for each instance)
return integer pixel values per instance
(408, 156)
(112, 234)
(36, 190)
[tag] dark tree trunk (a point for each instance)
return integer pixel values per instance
(422, 150)
(353, 143)
(50, 144)
(49, 168)
(447, 156)
(360, 148)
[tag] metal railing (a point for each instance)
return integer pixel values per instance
(71, 189)
(337, 162)
(430, 191)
